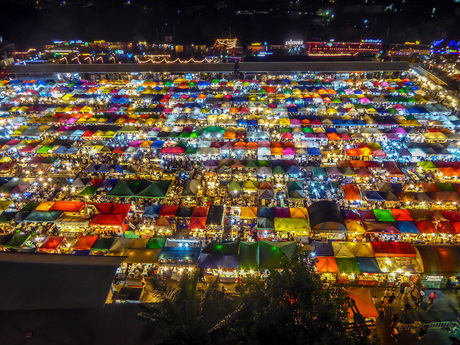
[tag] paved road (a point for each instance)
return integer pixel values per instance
(443, 309)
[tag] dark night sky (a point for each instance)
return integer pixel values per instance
(30, 24)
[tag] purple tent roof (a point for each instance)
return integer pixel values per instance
(282, 212)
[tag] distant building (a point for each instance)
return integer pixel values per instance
(339, 49)
(445, 47)
(408, 49)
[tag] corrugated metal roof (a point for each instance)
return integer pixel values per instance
(324, 66)
(52, 281)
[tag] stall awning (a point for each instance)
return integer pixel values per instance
(363, 301)
(347, 265)
(326, 264)
(439, 259)
(401, 249)
(368, 265)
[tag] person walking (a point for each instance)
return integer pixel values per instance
(431, 300)
(406, 307)
(422, 332)
(401, 292)
(394, 320)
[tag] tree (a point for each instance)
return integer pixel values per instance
(185, 313)
(292, 307)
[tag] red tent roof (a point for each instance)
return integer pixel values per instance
(107, 220)
(200, 211)
(52, 243)
(445, 227)
(67, 206)
(394, 249)
(168, 210)
(197, 223)
(110, 208)
(85, 242)
(426, 227)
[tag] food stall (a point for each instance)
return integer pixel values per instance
(439, 263)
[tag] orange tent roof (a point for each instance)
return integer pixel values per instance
(85, 242)
(229, 135)
(365, 151)
(356, 164)
(363, 301)
(240, 145)
(298, 212)
(401, 215)
(352, 153)
(351, 192)
(276, 151)
(333, 136)
(67, 206)
(448, 171)
(326, 264)
(252, 145)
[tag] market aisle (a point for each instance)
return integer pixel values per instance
(443, 309)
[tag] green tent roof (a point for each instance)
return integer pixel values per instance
(121, 189)
(221, 248)
(278, 170)
(7, 217)
(251, 164)
(294, 185)
(43, 217)
(247, 259)
(190, 151)
(30, 206)
(44, 149)
(88, 191)
(158, 189)
(17, 241)
(427, 165)
(270, 254)
(185, 135)
(235, 186)
(347, 265)
(156, 242)
(264, 163)
(384, 215)
(318, 171)
(103, 244)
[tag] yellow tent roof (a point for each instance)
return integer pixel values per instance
(44, 206)
(248, 212)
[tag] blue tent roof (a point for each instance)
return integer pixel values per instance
(61, 150)
(314, 151)
(158, 144)
(323, 249)
(407, 227)
(368, 265)
(152, 211)
(373, 195)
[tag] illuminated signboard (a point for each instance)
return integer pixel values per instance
(293, 43)
(416, 42)
(371, 41)
(264, 54)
